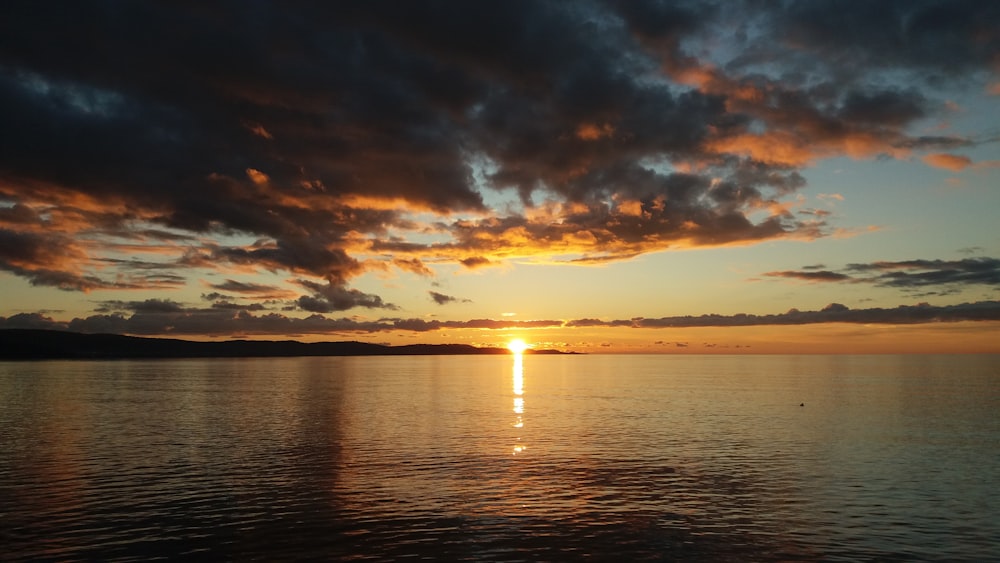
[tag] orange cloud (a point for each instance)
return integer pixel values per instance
(258, 129)
(951, 162)
(379, 203)
(257, 177)
(630, 207)
(774, 147)
(414, 265)
(797, 134)
(701, 77)
(593, 132)
(476, 262)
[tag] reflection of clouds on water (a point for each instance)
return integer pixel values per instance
(518, 383)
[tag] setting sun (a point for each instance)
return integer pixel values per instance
(517, 346)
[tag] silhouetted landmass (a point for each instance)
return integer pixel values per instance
(24, 344)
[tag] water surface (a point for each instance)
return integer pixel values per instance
(497, 458)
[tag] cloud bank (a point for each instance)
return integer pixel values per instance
(165, 318)
(948, 275)
(146, 143)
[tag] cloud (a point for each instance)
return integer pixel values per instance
(971, 250)
(422, 325)
(328, 132)
(951, 162)
(474, 262)
(931, 40)
(919, 273)
(164, 318)
(332, 297)
(442, 299)
(584, 323)
(301, 255)
(54, 260)
(245, 287)
(257, 177)
(593, 132)
(413, 265)
(229, 305)
(907, 274)
(32, 321)
(833, 313)
(147, 306)
(811, 275)
(248, 290)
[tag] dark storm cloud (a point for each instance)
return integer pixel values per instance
(936, 40)
(312, 125)
(908, 274)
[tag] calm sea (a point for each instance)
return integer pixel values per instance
(693, 458)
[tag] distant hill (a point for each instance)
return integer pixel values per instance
(25, 344)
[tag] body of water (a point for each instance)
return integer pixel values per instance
(694, 458)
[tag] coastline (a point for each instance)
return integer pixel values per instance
(36, 344)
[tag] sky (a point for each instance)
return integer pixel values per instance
(655, 177)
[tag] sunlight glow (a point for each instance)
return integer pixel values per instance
(517, 346)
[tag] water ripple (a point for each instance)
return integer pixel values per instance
(638, 458)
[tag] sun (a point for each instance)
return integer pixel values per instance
(517, 346)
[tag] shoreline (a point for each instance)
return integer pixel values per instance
(39, 344)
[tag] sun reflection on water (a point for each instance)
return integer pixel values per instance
(518, 384)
